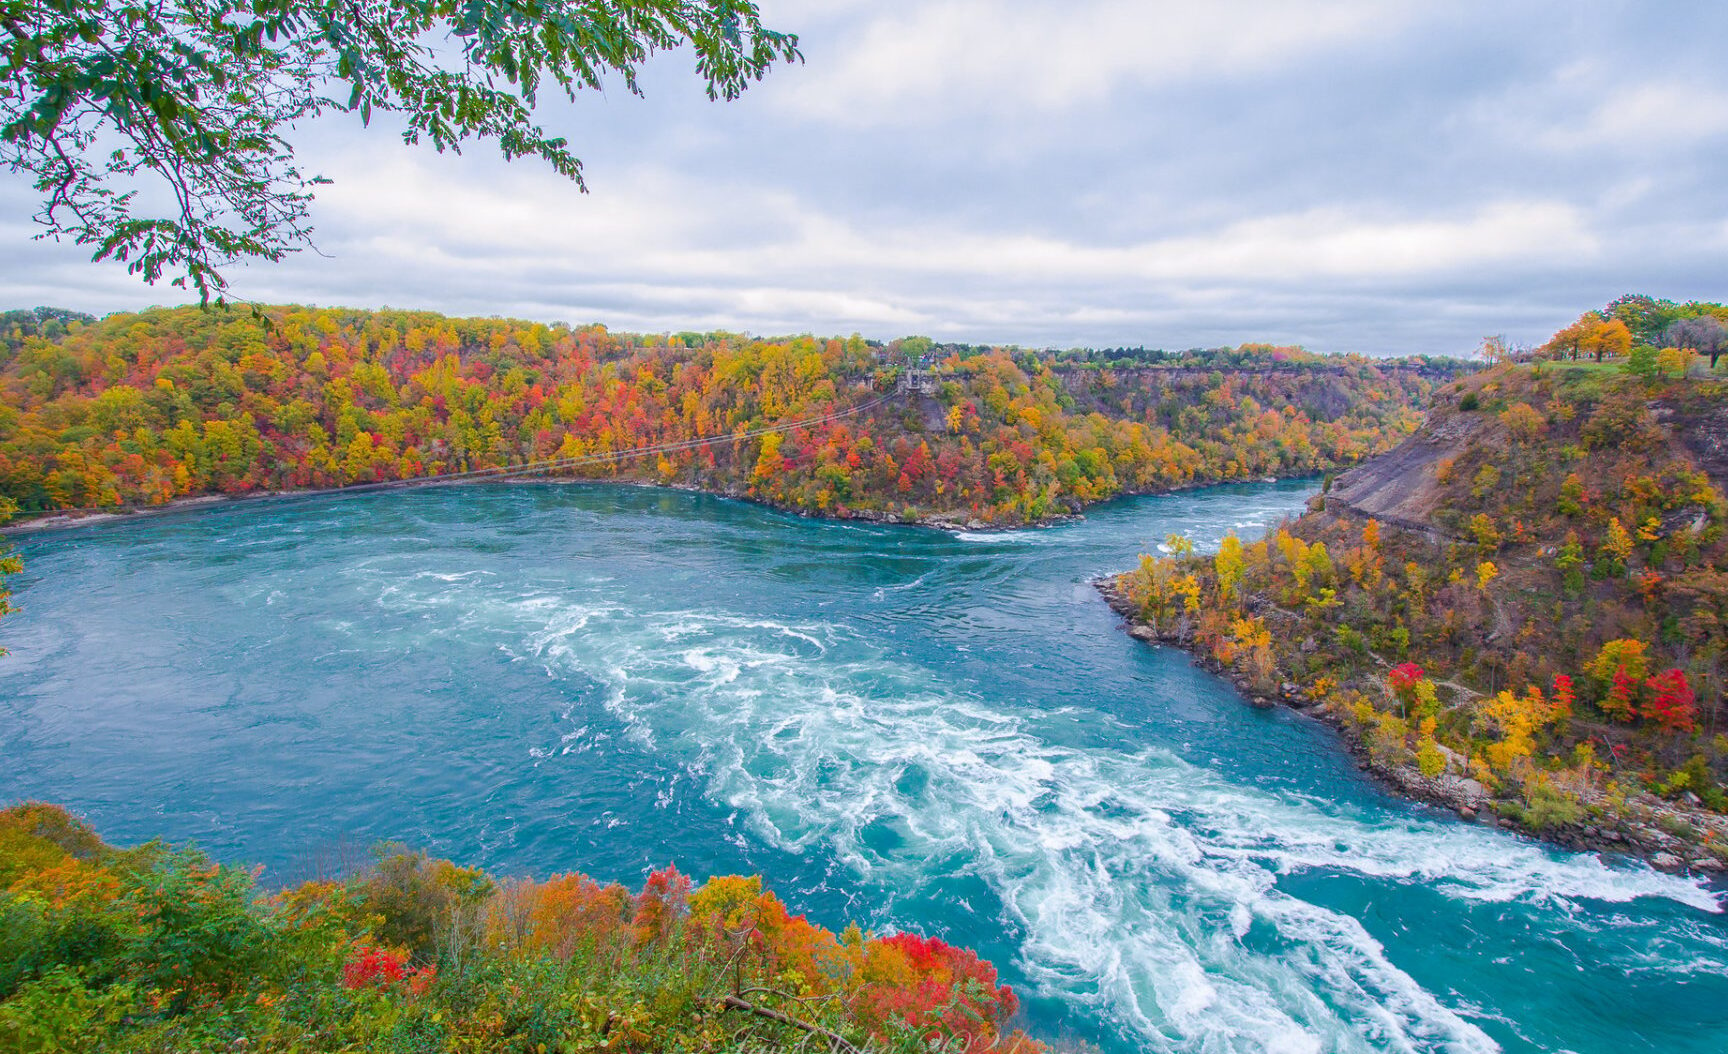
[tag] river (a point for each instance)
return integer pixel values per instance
(914, 729)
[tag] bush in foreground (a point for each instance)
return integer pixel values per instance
(155, 948)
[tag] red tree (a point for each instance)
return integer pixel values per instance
(1672, 703)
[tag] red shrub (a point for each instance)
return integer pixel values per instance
(374, 968)
(945, 991)
(1622, 699)
(381, 968)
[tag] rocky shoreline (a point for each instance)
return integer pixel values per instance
(1668, 835)
(71, 519)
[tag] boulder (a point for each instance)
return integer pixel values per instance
(1666, 862)
(1462, 788)
(1455, 762)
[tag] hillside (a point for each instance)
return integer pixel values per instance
(1520, 609)
(155, 948)
(145, 409)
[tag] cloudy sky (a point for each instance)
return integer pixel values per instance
(1359, 175)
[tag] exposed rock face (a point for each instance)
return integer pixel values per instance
(1504, 460)
(1704, 432)
(1400, 487)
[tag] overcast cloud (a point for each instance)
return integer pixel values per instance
(1354, 176)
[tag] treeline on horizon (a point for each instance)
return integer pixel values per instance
(142, 409)
(1636, 326)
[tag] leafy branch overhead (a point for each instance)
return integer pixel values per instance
(158, 132)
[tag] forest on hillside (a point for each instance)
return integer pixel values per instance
(1532, 595)
(142, 409)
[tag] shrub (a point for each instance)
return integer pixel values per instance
(157, 949)
(1549, 807)
(421, 900)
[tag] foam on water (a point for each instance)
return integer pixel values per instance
(896, 726)
(1001, 537)
(1146, 887)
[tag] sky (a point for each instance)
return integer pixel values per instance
(1350, 175)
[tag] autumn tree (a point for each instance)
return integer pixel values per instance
(10, 564)
(1671, 702)
(1619, 668)
(1607, 338)
(1494, 350)
(1592, 334)
(1229, 566)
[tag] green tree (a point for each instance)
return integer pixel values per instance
(113, 105)
(1642, 362)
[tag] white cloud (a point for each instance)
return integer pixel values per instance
(1607, 111)
(658, 222)
(935, 61)
(1668, 113)
(1352, 175)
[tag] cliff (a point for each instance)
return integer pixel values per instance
(1518, 612)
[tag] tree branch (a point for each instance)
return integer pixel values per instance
(835, 1039)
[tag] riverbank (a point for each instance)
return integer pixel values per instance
(952, 521)
(1668, 835)
(76, 518)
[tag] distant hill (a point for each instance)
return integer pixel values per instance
(1523, 607)
(143, 409)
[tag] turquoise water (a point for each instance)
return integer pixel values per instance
(915, 729)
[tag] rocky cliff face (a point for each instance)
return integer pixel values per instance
(1404, 488)
(1701, 426)
(1401, 487)
(1549, 552)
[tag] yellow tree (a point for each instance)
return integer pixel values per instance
(1229, 565)
(1674, 361)
(1618, 545)
(1610, 338)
